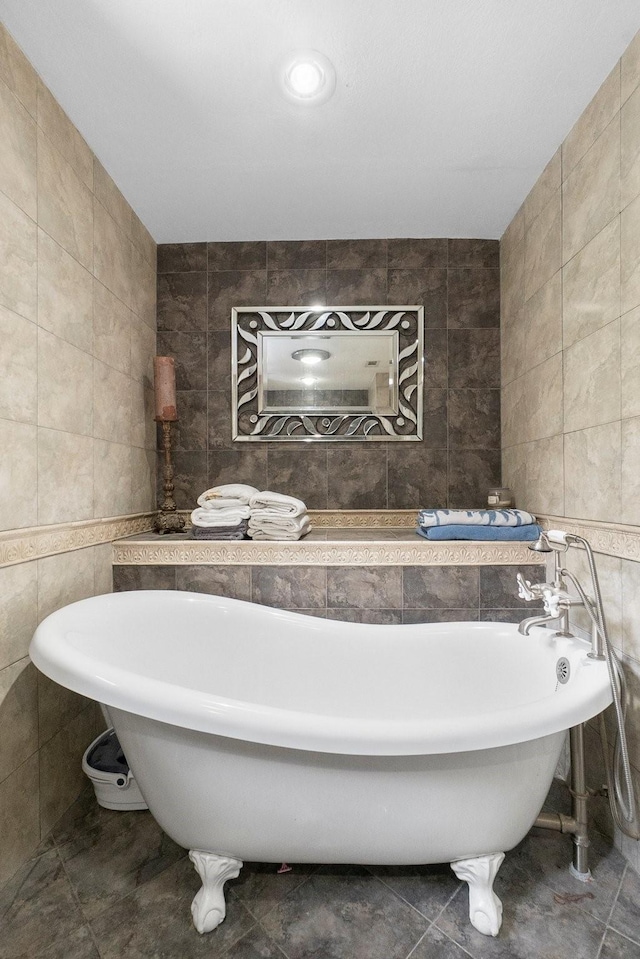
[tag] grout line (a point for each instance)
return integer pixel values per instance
(76, 897)
(619, 311)
(615, 898)
(447, 386)
(401, 898)
(206, 359)
(230, 896)
(38, 330)
(623, 935)
(445, 907)
(276, 905)
(258, 925)
(421, 939)
(459, 945)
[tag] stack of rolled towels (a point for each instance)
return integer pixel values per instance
(223, 512)
(276, 516)
(497, 525)
(234, 510)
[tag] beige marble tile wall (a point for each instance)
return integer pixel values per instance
(77, 328)
(570, 332)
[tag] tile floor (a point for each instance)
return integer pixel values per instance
(110, 885)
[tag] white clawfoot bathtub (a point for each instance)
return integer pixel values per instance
(266, 735)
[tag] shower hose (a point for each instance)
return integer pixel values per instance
(618, 773)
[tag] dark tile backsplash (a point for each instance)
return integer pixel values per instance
(364, 587)
(357, 594)
(457, 281)
(289, 587)
(441, 587)
(231, 581)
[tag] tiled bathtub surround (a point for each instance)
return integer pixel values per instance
(381, 594)
(457, 282)
(570, 327)
(570, 265)
(77, 325)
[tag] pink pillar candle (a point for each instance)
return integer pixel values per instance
(164, 372)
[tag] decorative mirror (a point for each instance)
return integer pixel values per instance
(327, 374)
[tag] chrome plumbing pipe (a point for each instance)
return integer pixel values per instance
(580, 865)
(556, 821)
(577, 824)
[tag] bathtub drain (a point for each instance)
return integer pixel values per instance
(563, 669)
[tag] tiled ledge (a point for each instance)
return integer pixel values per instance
(371, 538)
(22, 545)
(322, 547)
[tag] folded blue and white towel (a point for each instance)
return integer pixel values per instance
(502, 534)
(474, 517)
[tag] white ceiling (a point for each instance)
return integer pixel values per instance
(444, 114)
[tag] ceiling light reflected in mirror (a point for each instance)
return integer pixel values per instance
(310, 357)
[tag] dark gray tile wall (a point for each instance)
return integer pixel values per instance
(456, 280)
(362, 594)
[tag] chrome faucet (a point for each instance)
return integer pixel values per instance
(556, 599)
(527, 625)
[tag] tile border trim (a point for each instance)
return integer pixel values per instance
(24, 545)
(355, 518)
(613, 539)
(364, 519)
(381, 553)
(36, 542)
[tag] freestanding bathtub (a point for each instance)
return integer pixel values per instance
(266, 735)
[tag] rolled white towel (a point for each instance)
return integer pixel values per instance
(211, 518)
(233, 494)
(277, 504)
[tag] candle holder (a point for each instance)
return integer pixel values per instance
(164, 373)
(168, 519)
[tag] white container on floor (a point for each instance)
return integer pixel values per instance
(114, 786)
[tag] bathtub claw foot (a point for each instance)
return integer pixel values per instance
(208, 907)
(485, 909)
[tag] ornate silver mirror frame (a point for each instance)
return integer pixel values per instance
(262, 401)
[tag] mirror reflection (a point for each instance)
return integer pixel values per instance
(343, 372)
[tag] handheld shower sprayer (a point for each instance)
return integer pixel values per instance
(553, 541)
(541, 545)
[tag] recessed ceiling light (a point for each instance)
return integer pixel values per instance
(307, 77)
